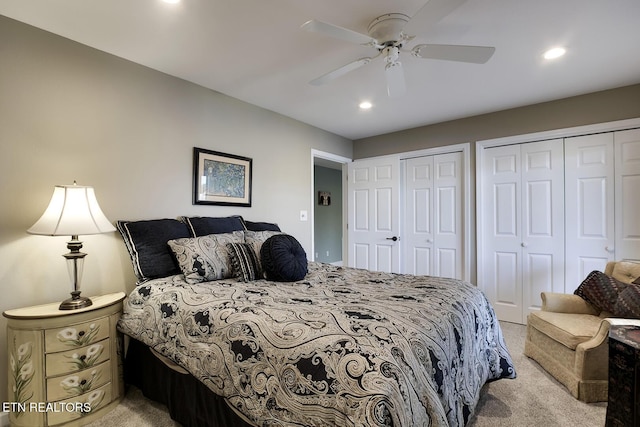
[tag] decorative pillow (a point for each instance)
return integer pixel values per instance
(244, 261)
(205, 258)
(257, 238)
(146, 242)
(261, 226)
(283, 259)
(628, 302)
(600, 290)
(205, 225)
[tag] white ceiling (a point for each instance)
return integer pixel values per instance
(254, 50)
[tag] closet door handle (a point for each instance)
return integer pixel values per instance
(394, 238)
(524, 244)
(610, 249)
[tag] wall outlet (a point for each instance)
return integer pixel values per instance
(327, 253)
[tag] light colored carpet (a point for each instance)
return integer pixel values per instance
(532, 399)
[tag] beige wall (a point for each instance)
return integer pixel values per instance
(597, 107)
(69, 112)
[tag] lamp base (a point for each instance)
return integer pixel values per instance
(75, 302)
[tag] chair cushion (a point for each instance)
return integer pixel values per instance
(566, 328)
(626, 271)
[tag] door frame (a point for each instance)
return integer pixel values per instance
(317, 154)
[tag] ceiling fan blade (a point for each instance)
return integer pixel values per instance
(338, 32)
(326, 78)
(460, 53)
(395, 79)
(432, 12)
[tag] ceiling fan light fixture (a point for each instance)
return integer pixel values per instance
(554, 53)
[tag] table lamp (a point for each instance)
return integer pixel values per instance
(72, 211)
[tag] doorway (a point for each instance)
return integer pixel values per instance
(328, 215)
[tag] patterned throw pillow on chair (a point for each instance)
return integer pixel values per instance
(628, 303)
(601, 290)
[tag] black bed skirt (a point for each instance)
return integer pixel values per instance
(189, 401)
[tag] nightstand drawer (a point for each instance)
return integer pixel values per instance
(75, 360)
(67, 386)
(91, 401)
(76, 336)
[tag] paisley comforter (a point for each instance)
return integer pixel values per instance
(342, 347)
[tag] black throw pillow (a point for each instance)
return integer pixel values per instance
(283, 259)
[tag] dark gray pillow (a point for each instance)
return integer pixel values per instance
(146, 242)
(261, 226)
(205, 225)
(283, 259)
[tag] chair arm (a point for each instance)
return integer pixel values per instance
(566, 303)
(603, 331)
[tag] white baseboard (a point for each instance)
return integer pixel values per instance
(337, 263)
(4, 419)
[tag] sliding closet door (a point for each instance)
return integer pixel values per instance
(589, 195)
(627, 149)
(433, 237)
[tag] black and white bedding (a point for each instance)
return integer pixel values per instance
(340, 347)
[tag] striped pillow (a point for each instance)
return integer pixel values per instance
(244, 261)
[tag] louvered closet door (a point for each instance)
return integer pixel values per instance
(374, 210)
(627, 151)
(589, 195)
(523, 226)
(433, 242)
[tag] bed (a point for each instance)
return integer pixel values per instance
(337, 346)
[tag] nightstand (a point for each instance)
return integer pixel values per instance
(65, 366)
(623, 408)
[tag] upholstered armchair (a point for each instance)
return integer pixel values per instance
(568, 337)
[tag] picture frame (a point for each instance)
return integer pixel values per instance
(221, 178)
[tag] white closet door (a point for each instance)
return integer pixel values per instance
(374, 210)
(589, 204)
(523, 226)
(501, 278)
(418, 233)
(627, 148)
(448, 249)
(543, 221)
(433, 238)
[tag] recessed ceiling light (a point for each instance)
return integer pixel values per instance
(554, 53)
(365, 105)
(171, 1)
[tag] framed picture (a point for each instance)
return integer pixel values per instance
(324, 198)
(221, 179)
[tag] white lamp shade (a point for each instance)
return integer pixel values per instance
(72, 211)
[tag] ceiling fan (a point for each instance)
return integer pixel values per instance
(389, 33)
